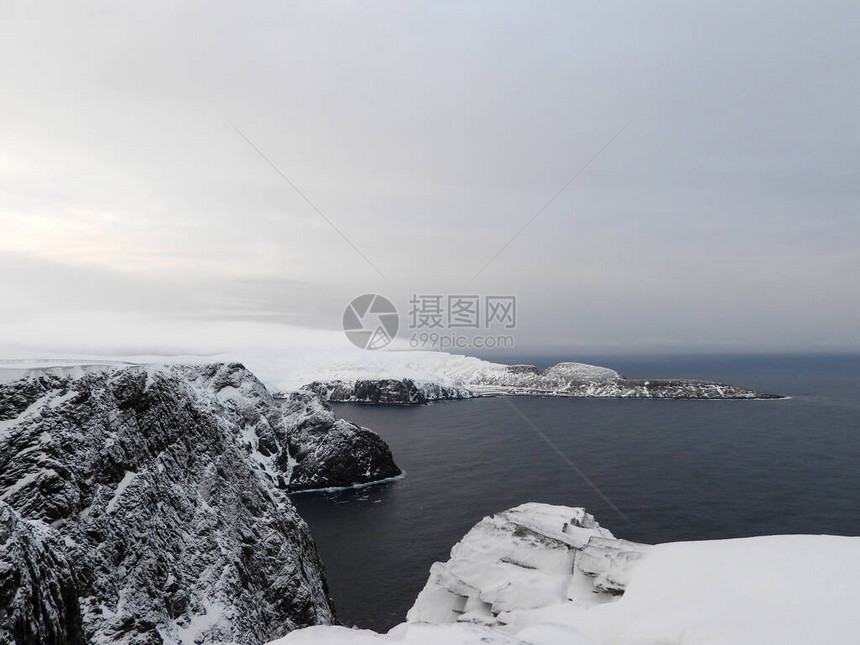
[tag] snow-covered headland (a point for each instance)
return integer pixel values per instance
(550, 575)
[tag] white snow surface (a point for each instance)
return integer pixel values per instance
(516, 578)
(783, 589)
(124, 483)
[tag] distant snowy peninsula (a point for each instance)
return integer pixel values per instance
(422, 377)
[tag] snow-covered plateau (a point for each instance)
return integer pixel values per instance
(147, 505)
(550, 575)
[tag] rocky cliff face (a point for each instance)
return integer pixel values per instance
(38, 587)
(155, 501)
(328, 452)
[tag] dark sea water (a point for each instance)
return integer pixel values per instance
(676, 470)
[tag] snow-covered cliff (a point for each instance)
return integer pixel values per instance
(153, 503)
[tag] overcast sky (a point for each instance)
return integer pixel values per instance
(725, 216)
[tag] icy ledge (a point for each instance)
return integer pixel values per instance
(550, 575)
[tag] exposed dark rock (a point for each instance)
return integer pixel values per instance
(386, 391)
(522, 369)
(330, 452)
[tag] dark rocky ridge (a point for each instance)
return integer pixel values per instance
(386, 391)
(159, 497)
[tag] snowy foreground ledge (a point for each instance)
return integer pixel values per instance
(550, 575)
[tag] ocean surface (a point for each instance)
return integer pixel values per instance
(670, 470)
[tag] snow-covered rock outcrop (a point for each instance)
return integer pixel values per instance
(159, 495)
(550, 575)
(527, 557)
(326, 452)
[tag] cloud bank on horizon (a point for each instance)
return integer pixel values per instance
(723, 218)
